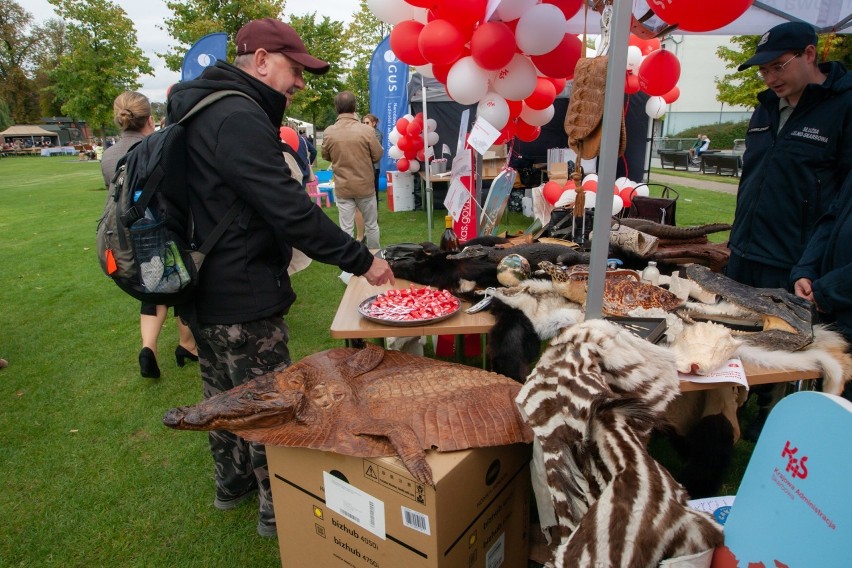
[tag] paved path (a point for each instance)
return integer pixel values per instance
(708, 183)
(654, 177)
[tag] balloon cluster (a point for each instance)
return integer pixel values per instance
(654, 71)
(561, 195)
(408, 141)
(512, 66)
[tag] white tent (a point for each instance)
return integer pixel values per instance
(825, 15)
(28, 131)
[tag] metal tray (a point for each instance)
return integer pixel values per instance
(363, 309)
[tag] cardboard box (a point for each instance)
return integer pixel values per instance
(340, 511)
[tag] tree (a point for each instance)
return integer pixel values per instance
(103, 61)
(362, 37)
(46, 56)
(193, 19)
(741, 88)
(5, 115)
(16, 48)
(327, 41)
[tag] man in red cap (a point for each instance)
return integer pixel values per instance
(235, 162)
(798, 153)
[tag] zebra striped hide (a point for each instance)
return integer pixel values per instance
(592, 401)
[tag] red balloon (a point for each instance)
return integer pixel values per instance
(652, 44)
(526, 132)
(414, 128)
(461, 12)
(672, 95)
(569, 185)
(402, 126)
(410, 154)
(568, 7)
(492, 45)
(626, 195)
(416, 142)
(558, 84)
(631, 84)
(441, 71)
(552, 191)
(507, 133)
(561, 61)
(404, 143)
(693, 16)
(590, 185)
(422, 3)
(543, 95)
(289, 136)
(440, 42)
(403, 164)
(421, 155)
(404, 42)
(659, 72)
(515, 108)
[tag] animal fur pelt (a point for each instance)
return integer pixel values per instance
(459, 276)
(513, 344)
(704, 346)
(592, 401)
(542, 304)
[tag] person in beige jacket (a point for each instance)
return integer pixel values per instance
(352, 148)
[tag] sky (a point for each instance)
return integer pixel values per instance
(147, 14)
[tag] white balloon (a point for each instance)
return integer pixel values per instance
(391, 11)
(568, 197)
(642, 190)
(467, 82)
(535, 117)
(395, 153)
(622, 182)
(509, 10)
(431, 125)
(591, 198)
(517, 80)
(431, 138)
(540, 29)
(617, 204)
(425, 70)
(655, 107)
(413, 166)
(394, 136)
(409, 117)
(494, 109)
(634, 59)
(589, 177)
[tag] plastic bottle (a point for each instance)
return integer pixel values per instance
(449, 240)
(651, 274)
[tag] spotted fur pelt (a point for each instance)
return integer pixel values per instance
(592, 401)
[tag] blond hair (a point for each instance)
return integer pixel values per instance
(131, 110)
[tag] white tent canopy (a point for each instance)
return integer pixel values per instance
(825, 15)
(28, 130)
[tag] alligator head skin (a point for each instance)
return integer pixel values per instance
(368, 403)
(787, 319)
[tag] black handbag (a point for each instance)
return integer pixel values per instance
(657, 209)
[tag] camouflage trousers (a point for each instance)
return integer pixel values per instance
(230, 355)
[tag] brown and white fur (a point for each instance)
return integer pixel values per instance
(703, 347)
(592, 401)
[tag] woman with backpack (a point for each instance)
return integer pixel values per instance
(132, 113)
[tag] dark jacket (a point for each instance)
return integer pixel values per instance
(234, 153)
(791, 178)
(827, 262)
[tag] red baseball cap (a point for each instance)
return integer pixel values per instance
(276, 36)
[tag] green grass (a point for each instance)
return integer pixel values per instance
(730, 180)
(91, 475)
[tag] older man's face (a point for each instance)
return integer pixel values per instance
(284, 75)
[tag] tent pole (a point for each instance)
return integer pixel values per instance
(427, 172)
(613, 111)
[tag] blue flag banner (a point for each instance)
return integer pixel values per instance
(388, 96)
(204, 53)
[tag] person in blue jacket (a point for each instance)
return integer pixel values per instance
(798, 152)
(824, 273)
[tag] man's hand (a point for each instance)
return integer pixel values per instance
(803, 289)
(379, 273)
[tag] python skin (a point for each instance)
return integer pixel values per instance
(592, 401)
